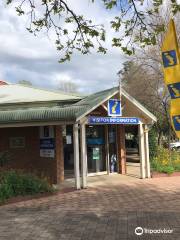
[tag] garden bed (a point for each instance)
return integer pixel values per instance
(19, 199)
(159, 174)
(17, 184)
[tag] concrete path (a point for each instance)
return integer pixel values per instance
(110, 209)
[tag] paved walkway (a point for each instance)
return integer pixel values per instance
(110, 209)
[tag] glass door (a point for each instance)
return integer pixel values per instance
(96, 154)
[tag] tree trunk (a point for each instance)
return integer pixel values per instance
(160, 138)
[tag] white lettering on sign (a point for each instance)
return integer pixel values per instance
(113, 120)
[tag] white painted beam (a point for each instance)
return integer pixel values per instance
(107, 149)
(148, 169)
(142, 150)
(83, 155)
(76, 156)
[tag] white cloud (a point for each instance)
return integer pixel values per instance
(24, 56)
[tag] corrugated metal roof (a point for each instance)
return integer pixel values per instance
(16, 93)
(39, 114)
(67, 113)
(57, 113)
(90, 102)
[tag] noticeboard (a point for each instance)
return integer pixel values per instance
(47, 142)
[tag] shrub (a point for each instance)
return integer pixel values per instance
(152, 143)
(4, 158)
(15, 183)
(166, 161)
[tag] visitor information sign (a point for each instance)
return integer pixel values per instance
(113, 120)
(114, 108)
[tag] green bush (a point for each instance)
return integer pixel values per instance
(166, 161)
(165, 169)
(4, 158)
(152, 143)
(14, 183)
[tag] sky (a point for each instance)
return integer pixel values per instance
(26, 57)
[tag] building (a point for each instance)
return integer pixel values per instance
(54, 133)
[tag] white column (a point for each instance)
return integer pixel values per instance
(107, 149)
(148, 169)
(141, 150)
(83, 155)
(76, 156)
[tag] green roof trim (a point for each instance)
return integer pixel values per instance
(38, 114)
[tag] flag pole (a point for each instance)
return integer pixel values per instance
(120, 88)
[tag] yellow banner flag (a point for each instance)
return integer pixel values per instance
(175, 116)
(171, 67)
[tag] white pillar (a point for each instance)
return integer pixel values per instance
(76, 156)
(107, 149)
(83, 155)
(148, 169)
(141, 150)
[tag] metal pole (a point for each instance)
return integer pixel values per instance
(120, 88)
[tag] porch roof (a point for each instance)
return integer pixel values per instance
(67, 112)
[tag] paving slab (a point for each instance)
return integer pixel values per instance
(111, 208)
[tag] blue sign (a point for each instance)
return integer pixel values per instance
(95, 141)
(113, 120)
(169, 58)
(176, 121)
(174, 90)
(114, 107)
(47, 143)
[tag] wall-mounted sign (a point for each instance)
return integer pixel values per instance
(113, 120)
(47, 147)
(114, 107)
(96, 153)
(17, 142)
(47, 142)
(95, 141)
(47, 132)
(68, 139)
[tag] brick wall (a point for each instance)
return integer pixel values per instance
(27, 158)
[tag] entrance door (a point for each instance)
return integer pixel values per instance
(96, 154)
(68, 152)
(112, 149)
